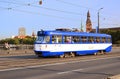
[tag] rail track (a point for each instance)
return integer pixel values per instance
(7, 62)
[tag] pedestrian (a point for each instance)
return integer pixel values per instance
(7, 45)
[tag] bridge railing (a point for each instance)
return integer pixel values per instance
(16, 47)
(116, 45)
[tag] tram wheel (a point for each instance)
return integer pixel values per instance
(102, 52)
(67, 55)
(62, 56)
(72, 54)
(96, 53)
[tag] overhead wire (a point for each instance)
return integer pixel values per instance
(30, 12)
(51, 9)
(76, 5)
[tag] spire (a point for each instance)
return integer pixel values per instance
(33, 34)
(88, 14)
(88, 23)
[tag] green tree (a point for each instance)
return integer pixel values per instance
(16, 41)
(27, 40)
(115, 35)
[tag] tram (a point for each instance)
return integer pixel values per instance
(69, 43)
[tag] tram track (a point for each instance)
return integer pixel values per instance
(7, 62)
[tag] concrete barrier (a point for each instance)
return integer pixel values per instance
(114, 77)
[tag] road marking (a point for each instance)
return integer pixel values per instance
(69, 71)
(27, 67)
(11, 69)
(88, 68)
(54, 64)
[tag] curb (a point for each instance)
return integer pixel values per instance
(114, 77)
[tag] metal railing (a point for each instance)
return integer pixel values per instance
(116, 45)
(16, 47)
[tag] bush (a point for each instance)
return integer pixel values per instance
(27, 40)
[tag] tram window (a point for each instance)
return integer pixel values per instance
(97, 39)
(56, 39)
(76, 39)
(109, 40)
(84, 39)
(103, 40)
(67, 39)
(90, 39)
(59, 39)
(47, 39)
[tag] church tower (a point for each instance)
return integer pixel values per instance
(33, 34)
(88, 23)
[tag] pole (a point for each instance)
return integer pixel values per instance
(98, 20)
(98, 23)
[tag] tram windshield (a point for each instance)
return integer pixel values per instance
(43, 39)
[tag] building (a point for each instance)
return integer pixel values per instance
(88, 23)
(21, 32)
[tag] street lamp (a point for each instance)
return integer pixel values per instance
(98, 20)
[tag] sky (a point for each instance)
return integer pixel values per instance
(54, 14)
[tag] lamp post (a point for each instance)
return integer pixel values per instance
(98, 20)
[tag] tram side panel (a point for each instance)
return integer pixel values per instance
(80, 49)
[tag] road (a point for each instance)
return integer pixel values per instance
(7, 62)
(81, 67)
(85, 69)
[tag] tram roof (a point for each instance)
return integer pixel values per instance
(75, 33)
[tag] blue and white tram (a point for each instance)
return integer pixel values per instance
(61, 43)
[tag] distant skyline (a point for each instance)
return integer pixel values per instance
(54, 14)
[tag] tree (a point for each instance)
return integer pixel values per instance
(115, 35)
(27, 40)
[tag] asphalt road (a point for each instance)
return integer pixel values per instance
(84, 69)
(81, 67)
(115, 50)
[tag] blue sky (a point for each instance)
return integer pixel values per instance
(54, 14)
